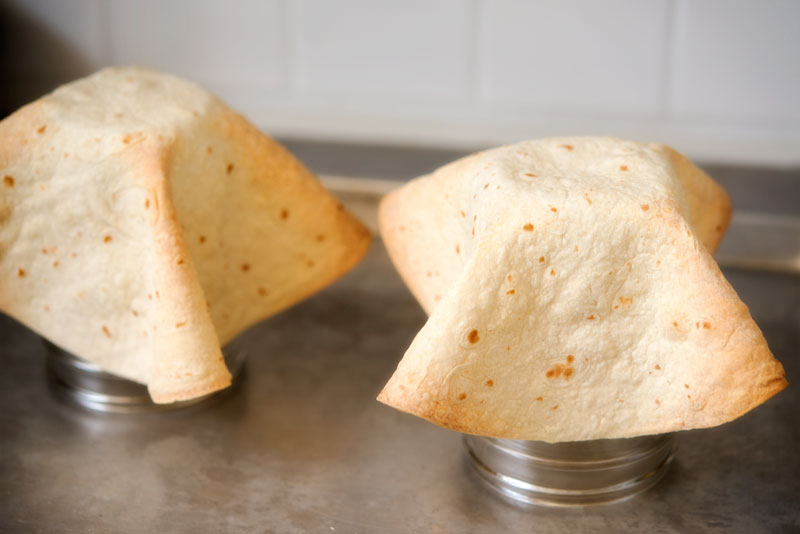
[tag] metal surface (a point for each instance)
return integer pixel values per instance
(578, 473)
(302, 446)
(86, 385)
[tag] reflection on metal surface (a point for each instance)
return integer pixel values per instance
(84, 384)
(576, 473)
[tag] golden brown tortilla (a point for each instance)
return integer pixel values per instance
(143, 223)
(572, 295)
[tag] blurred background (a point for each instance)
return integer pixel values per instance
(717, 79)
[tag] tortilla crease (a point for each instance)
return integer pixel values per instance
(143, 224)
(572, 295)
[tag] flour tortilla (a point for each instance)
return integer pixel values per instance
(572, 295)
(143, 224)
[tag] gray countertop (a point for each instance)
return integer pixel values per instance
(302, 446)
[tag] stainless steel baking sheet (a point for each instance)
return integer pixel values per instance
(302, 446)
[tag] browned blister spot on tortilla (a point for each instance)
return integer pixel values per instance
(706, 325)
(284, 214)
(473, 336)
(106, 331)
(147, 203)
(541, 259)
(209, 150)
(568, 147)
(458, 249)
(463, 214)
(645, 207)
(21, 272)
(658, 402)
(437, 298)
(42, 129)
(462, 396)
(531, 174)
(201, 239)
(552, 272)
(135, 313)
(511, 292)
(107, 239)
(262, 292)
(586, 196)
(591, 318)
(528, 227)
(555, 371)
(486, 186)
(229, 168)
(180, 262)
(555, 407)
(320, 238)
(675, 324)
(180, 324)
(554, 210)
(686, 386)
(56, 264)
(540, 399)
(570, 358)
(718, 228)
(510, 278)
(310, 263)
(8, 181)
(623, 167)
(568, 372)
(626, 300)
(657, 367)
(245, 267)
(490, 383)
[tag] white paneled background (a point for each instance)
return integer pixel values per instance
(718, 79)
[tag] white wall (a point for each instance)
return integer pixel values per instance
(718, 79)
